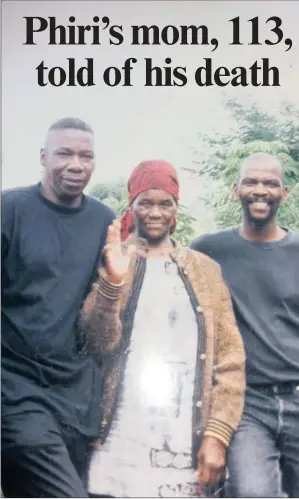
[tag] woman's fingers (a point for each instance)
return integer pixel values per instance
(113, 233)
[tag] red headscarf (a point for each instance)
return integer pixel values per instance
(152, 174)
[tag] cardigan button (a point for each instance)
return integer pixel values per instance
(203, 356)
(199, 309)
(199, 403)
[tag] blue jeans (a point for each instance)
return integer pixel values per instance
(263, 458)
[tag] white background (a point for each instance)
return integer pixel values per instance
(132, 124)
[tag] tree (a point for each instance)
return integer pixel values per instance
(115, 195)
(184, 231)
(254, 131)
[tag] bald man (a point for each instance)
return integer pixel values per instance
(260, 263)
(52, 236)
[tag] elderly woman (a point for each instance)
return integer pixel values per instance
(159, 318)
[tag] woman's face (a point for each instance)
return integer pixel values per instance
(154, 213)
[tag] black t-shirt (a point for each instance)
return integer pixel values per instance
(263, 279)
(50, 255)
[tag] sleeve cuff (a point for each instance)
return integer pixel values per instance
(220, 430)
(108, 290)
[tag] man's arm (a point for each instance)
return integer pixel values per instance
(229, 388)
(8, 202)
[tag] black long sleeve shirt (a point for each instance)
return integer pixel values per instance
(49, 257)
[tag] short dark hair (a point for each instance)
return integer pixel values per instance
(71, 123)
(262, 156)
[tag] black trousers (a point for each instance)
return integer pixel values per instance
(40, 458)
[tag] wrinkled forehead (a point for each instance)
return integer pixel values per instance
(154, 196)
(71, 139)
(261, 171)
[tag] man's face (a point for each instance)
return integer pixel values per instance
(260, 190)
(68, 160)
(154, 212)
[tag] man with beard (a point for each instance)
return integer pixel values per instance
(260, 263)
(173, 374)
(52, 236)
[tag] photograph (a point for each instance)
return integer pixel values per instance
(150, 248)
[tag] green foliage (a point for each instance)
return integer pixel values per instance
(289, 211)
(184, 231)
(115, 195)
(255, 131)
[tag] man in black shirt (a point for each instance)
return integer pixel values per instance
(52, 238)
(260, 263)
